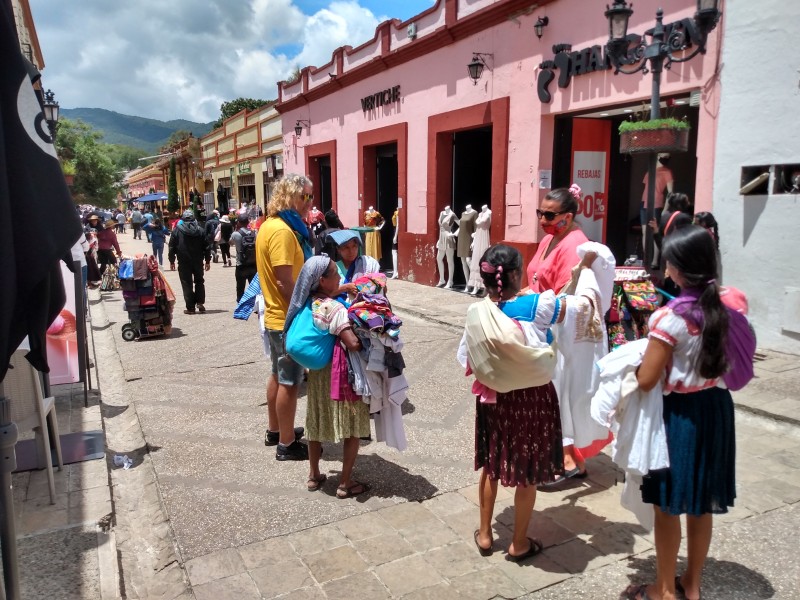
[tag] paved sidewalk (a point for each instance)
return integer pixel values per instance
(65, 550)
(206, 512)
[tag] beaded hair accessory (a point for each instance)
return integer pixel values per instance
(575, 190)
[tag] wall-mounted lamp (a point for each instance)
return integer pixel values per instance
(475, 68)
(298, 127)
(541, 23)
(50, 107)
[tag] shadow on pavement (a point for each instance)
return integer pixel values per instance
(110, 411)
(384, 478)
(721, 578)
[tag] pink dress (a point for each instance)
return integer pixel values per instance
(555, 271)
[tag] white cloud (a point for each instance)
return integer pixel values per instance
(343, 23)
(183, 58)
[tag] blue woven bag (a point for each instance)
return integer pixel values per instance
(306, 344)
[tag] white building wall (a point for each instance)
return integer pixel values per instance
(759, 124)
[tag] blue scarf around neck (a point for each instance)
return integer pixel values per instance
(293, 219)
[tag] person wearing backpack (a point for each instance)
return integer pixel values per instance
(211, 227)
(244, 239)
(701, 349)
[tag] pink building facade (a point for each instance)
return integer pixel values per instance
(398, 124)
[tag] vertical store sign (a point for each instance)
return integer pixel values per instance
(591, 146)
(62, 335)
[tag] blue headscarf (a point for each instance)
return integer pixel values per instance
(293, 219)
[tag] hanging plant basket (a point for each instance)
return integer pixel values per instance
(662, 135)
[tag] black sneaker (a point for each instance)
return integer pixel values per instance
(294, 451)
(271, 438)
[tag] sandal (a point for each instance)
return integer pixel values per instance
(314, 483)
(680, 590)
(483, 551)
(353, 490)
(535, 548)
(637, 592)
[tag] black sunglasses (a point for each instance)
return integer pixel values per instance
(548, 215)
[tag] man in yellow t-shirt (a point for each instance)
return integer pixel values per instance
(279, 258)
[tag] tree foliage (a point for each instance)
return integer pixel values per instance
(174, 138)
(82, 154)
(125, 158)
(173, 204)
(96, 180)
(228, 109)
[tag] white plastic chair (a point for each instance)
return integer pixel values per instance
(31, 411)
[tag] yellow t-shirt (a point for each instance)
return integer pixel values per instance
(276, 246)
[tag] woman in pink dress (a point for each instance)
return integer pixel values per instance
(551, 269)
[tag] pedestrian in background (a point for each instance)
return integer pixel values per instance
(707, 221)
(158, 236)
(664, 184)
(120, 222)
(136, 223)
(211, 226)
(244, 240)
(147, 218)
(282, 246)
(688, 342)
(188, 244)
(225, 230)
(106, 244)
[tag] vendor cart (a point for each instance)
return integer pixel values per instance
(148, 298)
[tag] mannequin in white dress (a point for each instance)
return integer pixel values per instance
(396, 223)
(480, 242)
(463, 235)
(445, 247)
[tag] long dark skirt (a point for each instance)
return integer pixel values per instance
(701, 440)
(93, 274)
(518, 439)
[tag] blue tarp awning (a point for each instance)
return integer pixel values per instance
(150, 198)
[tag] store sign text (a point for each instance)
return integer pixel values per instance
(589, 60)
(244, 167)
(382, 98)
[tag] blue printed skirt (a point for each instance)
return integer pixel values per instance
(701, 440)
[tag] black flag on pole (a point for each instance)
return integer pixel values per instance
(38, 220)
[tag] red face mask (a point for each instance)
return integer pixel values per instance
(555, 227)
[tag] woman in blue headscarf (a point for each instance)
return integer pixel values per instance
(353, 264)
(345, 418)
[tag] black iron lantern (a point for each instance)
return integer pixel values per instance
(50, 107)
(707, 15)
(298, 127)
(475, 69)
(618, 16)
(541, 23)
(477, 65)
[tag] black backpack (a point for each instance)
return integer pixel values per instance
(248, 253)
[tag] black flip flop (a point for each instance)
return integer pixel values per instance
(483, 551)
(679, 587)
(536, 548)
(637, 592)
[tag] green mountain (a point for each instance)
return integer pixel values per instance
(138, 132)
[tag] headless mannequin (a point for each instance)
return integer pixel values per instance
(466, 227)
(479, 245)
(315, 216)
(396, 223)
(372, 218)
(445, 247)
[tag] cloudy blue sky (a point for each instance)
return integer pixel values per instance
(180, 59)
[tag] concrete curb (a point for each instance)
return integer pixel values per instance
(146, 552)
